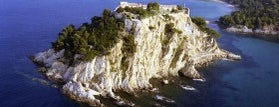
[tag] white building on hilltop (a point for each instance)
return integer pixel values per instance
(164, 7)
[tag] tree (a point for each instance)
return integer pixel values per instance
(179, 7)
(106, 13)
(199, 21)
(120, 10)
(227, 20)
(253, 13)
(90, 40)
(153, 6)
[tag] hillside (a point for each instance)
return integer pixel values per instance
(253, 16)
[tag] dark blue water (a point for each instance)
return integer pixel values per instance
(28, 27)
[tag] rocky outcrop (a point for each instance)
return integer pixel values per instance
(267, 30)
(242, 29)
(157, 55)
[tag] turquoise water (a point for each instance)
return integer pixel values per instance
(28, 27)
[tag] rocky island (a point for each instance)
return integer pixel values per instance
(125, 48)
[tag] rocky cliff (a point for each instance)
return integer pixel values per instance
(157, 55)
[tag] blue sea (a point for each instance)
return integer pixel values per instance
(29, 26)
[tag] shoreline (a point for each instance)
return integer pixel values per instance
(104, 75)
(258, 33)
(265, 33)
(223, 2)
(47, 63)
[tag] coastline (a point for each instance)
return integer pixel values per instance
(106, 74)
(227, 4)
(31, 26)
(270, 35)
(267, 32)
(246, 30)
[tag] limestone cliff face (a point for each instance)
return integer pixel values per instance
(157, 56)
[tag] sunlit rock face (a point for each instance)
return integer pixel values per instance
(158, 55)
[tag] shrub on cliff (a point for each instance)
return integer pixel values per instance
(201, 23)
(136, 10)
(129, 46)
(170, 29)
(179, 7)
(153, 6)
(151, 27)
(143, 13)
(90, 40)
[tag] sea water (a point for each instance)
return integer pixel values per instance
(29, 26)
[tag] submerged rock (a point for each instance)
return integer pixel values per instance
(201, 80)
(163, 98)
(188, 87)
(157, 55)
(165, 81)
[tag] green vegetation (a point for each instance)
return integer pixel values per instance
(201, 23)
(151, 27)
(253, 14)
(179, 7)
(167, 17)
(128, 49)
(143, 13)
(152, 9)
(170, 29)
(153, 6)
(129, 46)
(178, 52)
(173, 10)
(93, 39)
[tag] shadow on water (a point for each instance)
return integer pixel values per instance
(226, 41)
